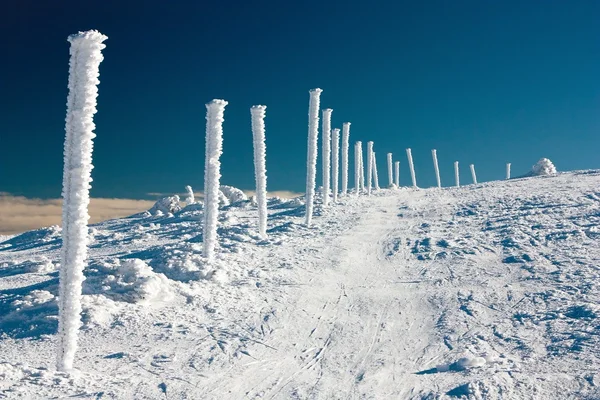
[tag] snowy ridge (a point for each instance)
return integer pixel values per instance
(480, 292)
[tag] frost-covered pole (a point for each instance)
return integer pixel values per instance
(311, 157)
(212, 174)
(356, 168)
(507, 170)
(335, 152)
(369, 166)
(260, 168)
(390, 174)
(436, 167)
(345, 141)
(456, 174)
(362, 167)
(86, 56)
(397, 173)
(473, 175)
(375, 175)
(326, 154)
(412, 167)
(190, 195)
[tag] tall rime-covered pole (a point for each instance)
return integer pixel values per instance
(260, 168)
(311, 157)
(84, 63)
(507, 170)
(473, 175)
(436, 167)
(411, 166)
(326, 146)
(345, 144)
(212, 174)
(335, 153)
(397, 173)
(362, 167)
(356, 169)
(456, 174)
(375, 175)
(390, 174)
(369, 166)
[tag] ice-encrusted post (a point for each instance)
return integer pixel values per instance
(345, 144)
(436, 167)
(390, 163)
(456, 174)
(335, 152)
(311, 157)
(326, 153)
(411, 166)
(85, 58)
(190, 199)
(507, 170)
(356, 168)
(369, 166)
(473, 175)
(212, 174)
(397, 173)
(375, 174)
(362, 167)
(260, 169)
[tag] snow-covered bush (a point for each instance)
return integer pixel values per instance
(166, 205)
(260, 168)
(326, 153)
(345, 144)
(86, 56)
(544, 167)
(233, 194)
(212, 174)
(311, 157)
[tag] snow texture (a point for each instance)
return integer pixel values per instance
(397, 173)
(190, 199)
(543, 167)
(212, 174)
(369, 167)
(436, 168)
(326, 156)
(456, 174)
(311, 157)
(260, 169)
(473, 174)
(507, 170)
(345, 149)
(335, 152)
(390, 164)
(85, 58)
(411, 166)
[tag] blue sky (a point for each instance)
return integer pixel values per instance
(483, 82)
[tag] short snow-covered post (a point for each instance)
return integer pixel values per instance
(212, 174)
(397, 173)
(84, 63)
(260, 169)
(345, 144)
(436, 167)
(190, 195)
(335, 152)
(311, 157)
(456, 174)
(326, 146)
(369, 166)
(507, 170)
(411, 166)
(375, 175)
(473, 175)
(389, 165)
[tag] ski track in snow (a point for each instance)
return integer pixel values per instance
(487, 291)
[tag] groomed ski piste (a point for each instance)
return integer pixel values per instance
(486, 291)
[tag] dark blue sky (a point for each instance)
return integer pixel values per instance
(484, 82)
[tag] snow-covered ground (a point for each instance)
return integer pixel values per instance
(488, 291)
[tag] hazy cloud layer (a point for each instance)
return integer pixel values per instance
(284, 194)
(20, 214)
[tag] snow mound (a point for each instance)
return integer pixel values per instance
(233, 194)
(543, 167)
(166, 205)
